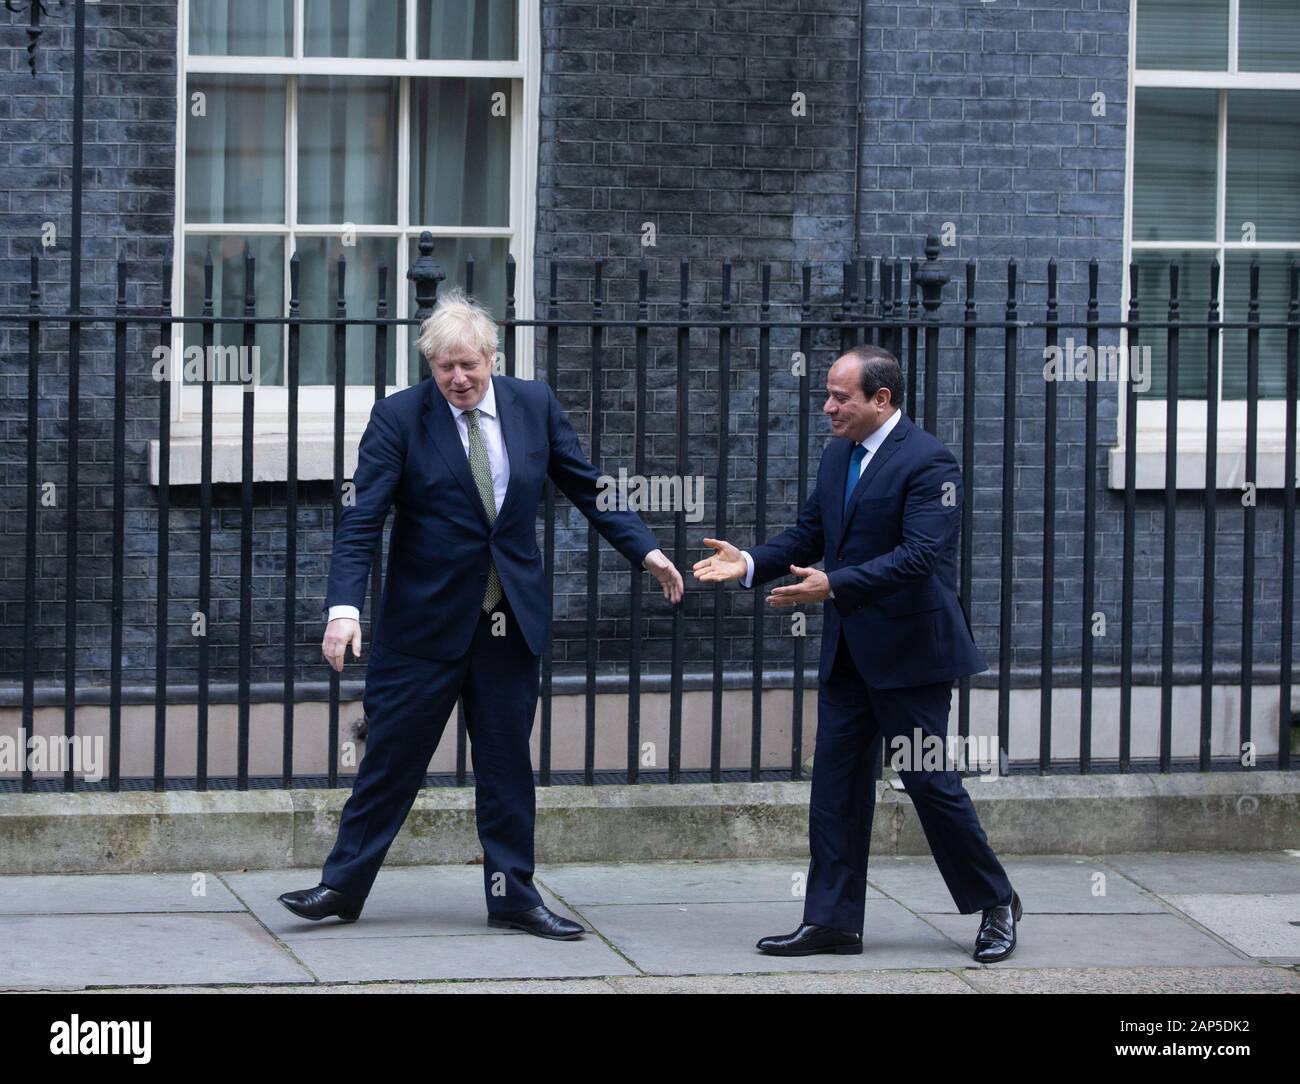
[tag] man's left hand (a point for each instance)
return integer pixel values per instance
(663, 570)
(813, 586)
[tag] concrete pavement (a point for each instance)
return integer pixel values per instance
(1227, 922)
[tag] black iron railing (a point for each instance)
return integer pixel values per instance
(874, 304)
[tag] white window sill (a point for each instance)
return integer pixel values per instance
(316, 460)
(1230, 466)
(270, 455)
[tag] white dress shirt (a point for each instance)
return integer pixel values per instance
(489, 424)
(872, 445)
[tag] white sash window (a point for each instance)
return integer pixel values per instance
(328, 127)
(1214, 174)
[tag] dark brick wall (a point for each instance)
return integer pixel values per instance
(978, 121)
(681, 117)
(982, 116)
(128, 211)
(678, 115)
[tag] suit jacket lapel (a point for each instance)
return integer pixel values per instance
(441, 424)
(510, 414)
(840, 451)
(874, 464)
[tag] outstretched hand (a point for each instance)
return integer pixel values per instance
(723, 565)
(813, 586)
(657, 564)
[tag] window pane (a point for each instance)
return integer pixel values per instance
(347, 149)
(234, 149)
(1182, 34)
(228, 288)
(466, 30)
(1268, 36)
(1263, 165)
(1274, 296)
(354, 28)
(241, 27)
(460, 152)
(488, 287)
(1194, 303)
(318, 283)
(1175, 147)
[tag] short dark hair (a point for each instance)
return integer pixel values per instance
(879, 369)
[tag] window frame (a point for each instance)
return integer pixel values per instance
(316, 402)
(1192, 440)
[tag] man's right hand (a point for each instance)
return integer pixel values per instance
(338, 634)
(725, 564)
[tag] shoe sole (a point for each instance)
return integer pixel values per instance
(839, 950)
(498, 924)
(344, 917)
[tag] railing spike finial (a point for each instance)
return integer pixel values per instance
(932, 278)
(37, 8)
(426, 274)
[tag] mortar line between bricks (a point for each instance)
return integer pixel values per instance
(594, 929)
(271, 933)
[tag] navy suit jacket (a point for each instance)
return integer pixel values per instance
(411, 458)
(891, 560)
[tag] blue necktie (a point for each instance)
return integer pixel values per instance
(855, 463)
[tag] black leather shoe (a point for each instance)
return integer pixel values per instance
(808, 940)
(996, 939)
(540, 921)
(321, 902)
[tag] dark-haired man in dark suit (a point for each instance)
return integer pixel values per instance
(885, 515)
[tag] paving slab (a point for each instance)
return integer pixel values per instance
(80, 950)
(712, 938)
(1047, 884)
(1264, 925)
(678, 882)
(114, 893)
(665, 927)
(1246, 871)
(1002, 979)
(508, 955)
(1103, 941)
(405, 901)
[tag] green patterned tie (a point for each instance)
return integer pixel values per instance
(481, 469)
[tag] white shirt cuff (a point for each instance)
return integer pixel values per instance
(748, 581)
(344, 611)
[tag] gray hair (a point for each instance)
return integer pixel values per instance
(457, 321)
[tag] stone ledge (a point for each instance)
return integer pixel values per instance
(266, 829)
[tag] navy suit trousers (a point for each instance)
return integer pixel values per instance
(408, 701)
(851, 718)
